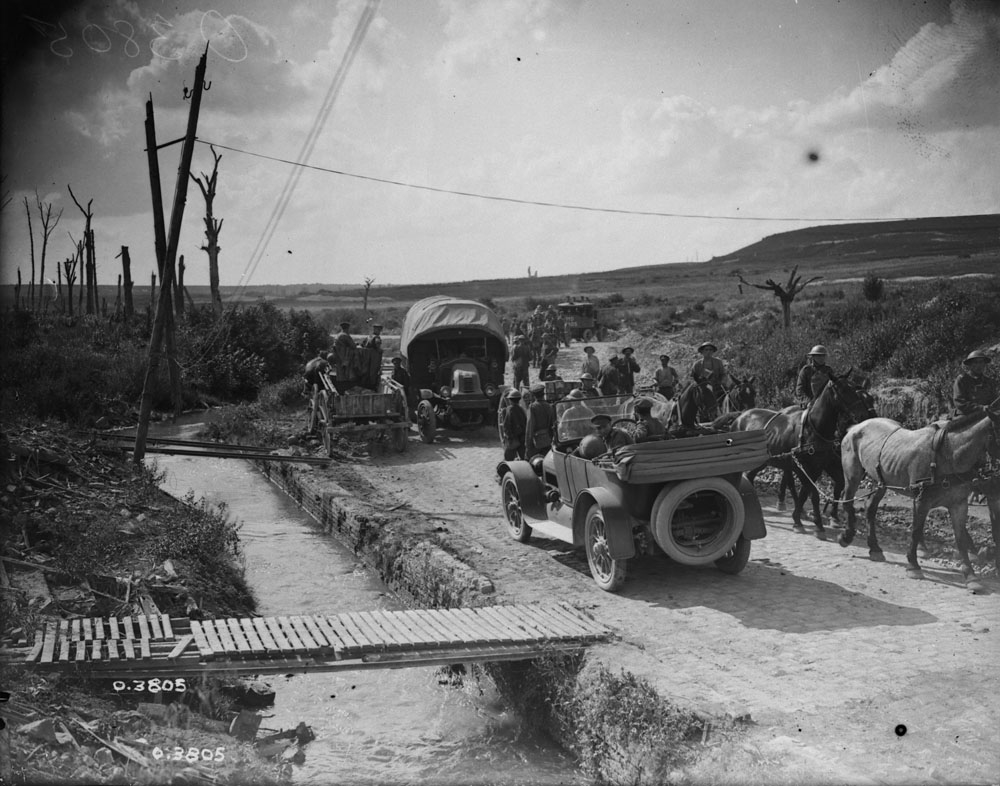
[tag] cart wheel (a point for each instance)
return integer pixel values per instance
(426, 421)
(400, 439)
(736, 558)
(516, 527)
(328, 442)
(607, 572)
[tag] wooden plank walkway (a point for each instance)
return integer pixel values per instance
(177, 646)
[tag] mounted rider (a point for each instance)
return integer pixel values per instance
(813, 376)
(973, 391)
(710, 370)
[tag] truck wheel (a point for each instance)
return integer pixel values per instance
(736, 558)
(698, 521)
(518, 530)
(607, 572)
(426, 421)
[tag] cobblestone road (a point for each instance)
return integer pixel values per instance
(826, 651)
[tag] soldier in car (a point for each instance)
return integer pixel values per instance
(648, 428)
(588, 386)
(613, 437)
(574, 421)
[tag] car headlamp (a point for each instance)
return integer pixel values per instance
(445, 391)
(490, 390)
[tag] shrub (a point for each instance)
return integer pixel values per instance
(873, 288)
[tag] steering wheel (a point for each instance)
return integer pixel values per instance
(631, 421)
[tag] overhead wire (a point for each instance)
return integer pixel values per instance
(300, 165)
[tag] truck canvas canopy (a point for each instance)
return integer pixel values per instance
(441, 317)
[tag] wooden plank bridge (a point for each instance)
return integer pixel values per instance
(159, 645)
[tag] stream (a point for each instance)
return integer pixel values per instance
(372, 727)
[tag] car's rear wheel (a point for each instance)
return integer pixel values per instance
(426, 421)
(698, 521)
(734, 560)
(518, 530)
(609, 573)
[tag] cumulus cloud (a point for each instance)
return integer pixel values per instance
(483, 33)
(107, 121)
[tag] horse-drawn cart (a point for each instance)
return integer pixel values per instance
(358, 413)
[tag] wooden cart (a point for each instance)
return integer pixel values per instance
(378, 418)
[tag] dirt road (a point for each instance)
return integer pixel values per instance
(831, 655)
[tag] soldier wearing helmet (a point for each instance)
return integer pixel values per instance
(813, 376)
(973, 391)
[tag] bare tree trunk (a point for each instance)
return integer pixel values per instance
(49, 225)
(213, 227)
(179, 290)
(118, 299)
(128, 305)
(59, 296)
(31, 236)
(92, 276)
(17, 292)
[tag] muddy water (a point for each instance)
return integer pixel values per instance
(372, 727)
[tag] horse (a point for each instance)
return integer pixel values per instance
(740, 396)
(936, 465)
(802, 441)
(695, 404)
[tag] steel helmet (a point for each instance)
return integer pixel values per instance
(592, 446)
(819, 349)
(977, 354)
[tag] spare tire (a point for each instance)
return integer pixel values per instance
(697, 521)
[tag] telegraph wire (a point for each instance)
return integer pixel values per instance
(300, 165)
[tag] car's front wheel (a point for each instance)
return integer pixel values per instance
(736, 558)
(518, 530)
(609, 573)
(426, 421)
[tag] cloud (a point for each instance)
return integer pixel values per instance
(484, 33)
(107, 122)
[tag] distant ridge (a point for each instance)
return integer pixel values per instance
(917, 237)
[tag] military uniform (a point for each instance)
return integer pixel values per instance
(514, 429)
(666, 381)
(609, 380)
(710, 369)
(811, 381)
(540, 425)
(627, 371)
(521, 362)
(972, 394)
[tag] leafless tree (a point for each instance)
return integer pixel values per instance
(368, 285)
(213, 226)
(69, 266)
(31, 237)
(49, 224)
(90, 266)
(785, 293)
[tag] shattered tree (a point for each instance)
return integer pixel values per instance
(213, 226)
(786, 294)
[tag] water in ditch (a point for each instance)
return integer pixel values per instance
(372, 727)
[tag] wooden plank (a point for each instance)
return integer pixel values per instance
(265, 635)
(127, 625)
(213, 640)
(36, 650)
(416, 632)
(356, 633)
(182, 644)
(222, 631)
(578, 619)
(446, 633)
(144, 647)
(276, 634)
(64, 650)
(256, 646)
(375, 638)
(112, 649)
(48, 648)
(514, 635)
(299, 626)
(63, 629)
(113, 627)
(143, 626)
(168, 631)
(87, 632)
(389, 633)
(291, 635)
(428, 636)
(518, 622)
(81, 650)
(460, 626)
(154, 627)
(98, 627)
(77, 633)
(237, 633)
(336, 634)
(127, 649)
(482, 627)
(201, 640)
(95, 653)
(554, 628)
(317, 635)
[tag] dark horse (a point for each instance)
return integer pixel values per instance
(693, 406)
(834, 470)
(936, 465)
(803, 441)
(742, 395)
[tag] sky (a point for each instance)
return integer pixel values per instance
(688, 128)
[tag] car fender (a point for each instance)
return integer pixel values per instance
(753, 521)
(426, 394)
(530, 487)
(617, 521)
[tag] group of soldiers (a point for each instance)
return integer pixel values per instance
(341, 364)
(539, 335)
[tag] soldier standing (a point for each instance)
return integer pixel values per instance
(344, 349)
(666, 378)
(514, 424)
(609, 380)
(374, 341)
(521, 361)
(540, 424)
(627, 370)
(591, 365)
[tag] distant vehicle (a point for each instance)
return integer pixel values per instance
(687, 497)
(581, 315)
(455, 352)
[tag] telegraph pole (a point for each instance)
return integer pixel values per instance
(169, 255)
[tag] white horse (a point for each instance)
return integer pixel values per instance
(936, 465)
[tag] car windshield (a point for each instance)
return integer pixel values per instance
(573, 415)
